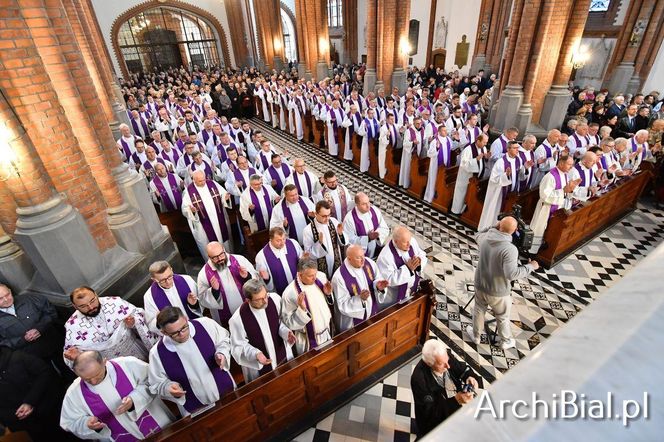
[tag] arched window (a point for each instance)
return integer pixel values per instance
(164, 37)
(334, 14)
(290, 50)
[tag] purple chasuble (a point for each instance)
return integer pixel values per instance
(398, 260)
(161, 300)
(163, 193)
(174, 368)
(234, 267)
(279, 276)
(261, 222)
(255, 335)
(359, 224)
(353, 287)
(203, 216)
(146, 423)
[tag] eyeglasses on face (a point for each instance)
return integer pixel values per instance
(180, 331)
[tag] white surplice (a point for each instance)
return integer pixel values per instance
(193, 218)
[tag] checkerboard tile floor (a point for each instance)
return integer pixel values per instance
(541, 304)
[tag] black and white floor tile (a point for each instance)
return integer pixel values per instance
(541, 304)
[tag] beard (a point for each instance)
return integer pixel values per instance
(219, 266)
(92, 313)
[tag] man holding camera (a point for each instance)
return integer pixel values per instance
(441, 384)
(497, 267)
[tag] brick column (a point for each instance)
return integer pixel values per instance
(311, 22)
(558, 97)
(350, 30)
(237, 31)
(269, 32)
(304, 70)
(496, 35)
(401, 16)
(481, 38)
(372, 37)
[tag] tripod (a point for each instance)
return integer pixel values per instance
(492, 334)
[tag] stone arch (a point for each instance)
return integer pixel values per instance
(150, 4)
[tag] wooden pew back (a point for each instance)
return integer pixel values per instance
(445, 183)
(392, 164)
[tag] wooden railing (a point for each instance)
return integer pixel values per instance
(295, 391)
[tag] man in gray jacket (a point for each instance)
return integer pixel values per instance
(497, 267)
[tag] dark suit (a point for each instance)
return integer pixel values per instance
(614, 110)
(432, 406)
(32, 311)
(626, 128)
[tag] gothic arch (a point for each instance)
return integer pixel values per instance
(177, 4)
(291, 15)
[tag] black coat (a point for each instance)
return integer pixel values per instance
(32, 311)
(625, 129)
(432, 406)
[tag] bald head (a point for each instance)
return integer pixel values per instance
(198, 177)
(362, 202)
(355, 256)
(508, 225)
(589, 159)
(214, 248)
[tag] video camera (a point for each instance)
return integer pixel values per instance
(523, 237)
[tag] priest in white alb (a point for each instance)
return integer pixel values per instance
(505, 176)
(366, 226)
(276, 263)
(277, 174)
(293, 213)
(191, 363)
(108, 324)
(402, 263)
(440, 154)
(166, 189)
(259, 340)
(256, 203)
(473, 163)
(111, 400)
(204, 204)
(546, 155)
(324, 239)
(336, 194)
(169, 290)
(219, 282)
(358, 289)
(306, 307)
(306, 182)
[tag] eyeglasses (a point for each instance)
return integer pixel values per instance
(218, 256)
(170, 277)
(179, 332)
(92, 302)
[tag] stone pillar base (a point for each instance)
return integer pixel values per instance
(128, 229)
(479, 61)
(523, 118)
(301, 69)
(634, 85)
(115, 129)
(508, 106)
(322, 70)
(16, 269)
(278, 63)
(400, 80)
(555, 106)
(620, 78)
(380, 85)
(369, 81)
(135, 193)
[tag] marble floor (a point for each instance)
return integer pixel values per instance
(541, 304)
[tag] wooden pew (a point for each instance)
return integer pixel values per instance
(258, 104)
(307, 127)
(392, 164)
(567, 230)
(419, 172)
(445, 182)
(254, 242)
(373, 158)
(284, 402)
(356, 146)
(318, 130)
(341, 136)
(474, 201)
(527, 200)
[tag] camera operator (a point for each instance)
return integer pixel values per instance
(497, 267)
(441, 384)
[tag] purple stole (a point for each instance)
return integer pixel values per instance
(146, 423)
(380, 102)
(372, 128)
(635, 147)
(202, 212)
(359, 224)
(144, 124)
(585, 180)
(234, 267)
(277, 271)
(255, 335)
(207, 136)
(147, 165)
(334, 112)
(476, 132)
(311, 334)
(603, 162)
(258, 211)
(353, 287)
(296, 181)
(398, 260)
(555, 172)
(172, 364)
(444, 160)
(292, 230)
(173, 158)
(237, 173)
(275, 176)
(125, 147)
(230, 164)
(209, 175)
(264, 161)
(155, 146)
(221, 151)
(577, 140)
(503, 143)
(512, 176)
(393, 135)
(476, 151)
(161, 300)
(414, 135)
(137, 159)
(525, 157)
(180, 145)
(163, 193)
(300, 106)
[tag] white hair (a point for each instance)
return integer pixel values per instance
(530, 137)
(122, 126)
(431, 349)
(642, 132)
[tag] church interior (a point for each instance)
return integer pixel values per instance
(249, 219)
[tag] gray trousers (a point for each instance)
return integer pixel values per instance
(501, 306)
